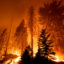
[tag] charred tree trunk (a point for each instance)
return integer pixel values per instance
(31, 23)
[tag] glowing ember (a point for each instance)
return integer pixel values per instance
(11, 62)
(58, 59)
(17, 59)
(13, 58)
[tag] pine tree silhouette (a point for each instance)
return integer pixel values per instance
(45, 45)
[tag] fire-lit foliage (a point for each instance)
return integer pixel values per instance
(21, 36)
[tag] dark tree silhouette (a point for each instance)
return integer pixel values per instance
(26, 57)
(31, 24)
(38, 58)
(54, 12)
(45, 45)
(21, 36)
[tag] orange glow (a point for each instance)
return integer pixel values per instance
(14, 61)
(17, 53)
(17, 59)
(57, 59)
(29, 37)
(11, 62)
(35, 47)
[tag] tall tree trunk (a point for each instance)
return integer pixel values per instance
(31, 23)
(8, 37)
(32, 42)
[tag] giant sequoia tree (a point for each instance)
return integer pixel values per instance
(21, 36)
(45, 45)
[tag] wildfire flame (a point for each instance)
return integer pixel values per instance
(17, 59)
(14, 58)
(14, 61)
(58, 59)
(11, 62)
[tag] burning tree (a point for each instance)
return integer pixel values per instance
(53, 14)
(21, 36)
(3, 40)
(31, 24)
(45, 45)
(53, 11)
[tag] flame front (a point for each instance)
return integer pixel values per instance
(15, 61)
(57, 59)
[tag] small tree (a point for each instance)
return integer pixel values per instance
(45, 45)
(26, 58)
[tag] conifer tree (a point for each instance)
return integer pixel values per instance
(45, 45)
(21, 36)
